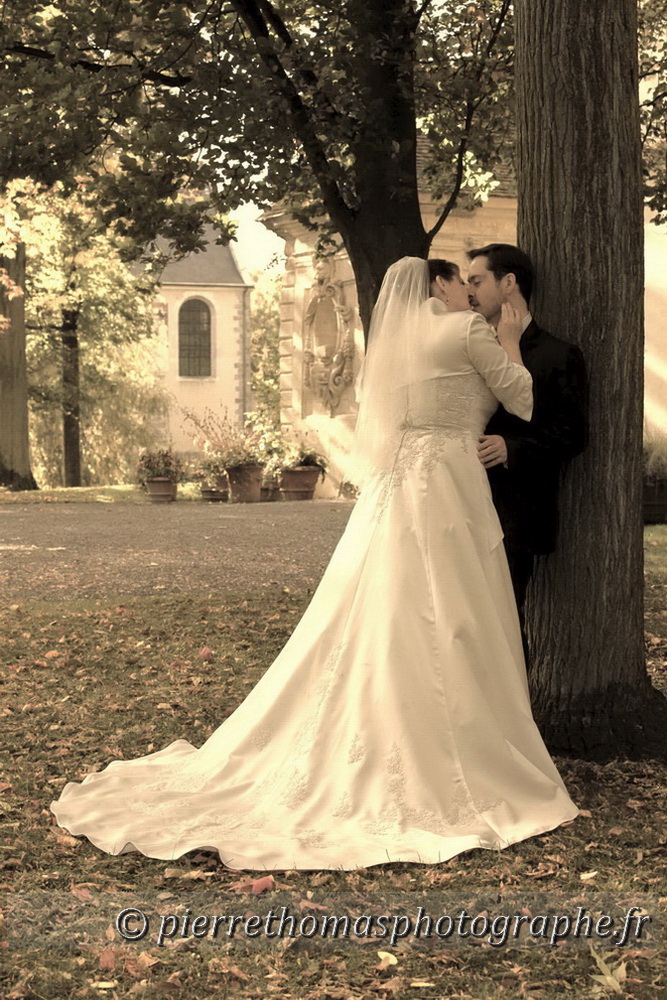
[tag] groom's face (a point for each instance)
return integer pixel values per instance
(485, 292)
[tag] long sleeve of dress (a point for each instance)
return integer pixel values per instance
(510, 382)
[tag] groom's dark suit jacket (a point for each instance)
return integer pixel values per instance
(526, 492)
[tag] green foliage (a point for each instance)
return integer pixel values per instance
(292, 100)
(292, 449)
(76, 273)
(653, 101)
(264, 341)
(161, 464)
(225, 444)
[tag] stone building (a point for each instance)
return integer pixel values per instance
(202, 312)
(321, 340)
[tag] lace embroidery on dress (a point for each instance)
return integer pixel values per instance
(192, 774)
(314, 838)
(260, 738)
(343, 807)
(462, 811)
(441, 411)
(356, 750)
(299, 783)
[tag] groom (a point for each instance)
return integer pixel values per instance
(525, 460)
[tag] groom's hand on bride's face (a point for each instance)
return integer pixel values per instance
(491, 450)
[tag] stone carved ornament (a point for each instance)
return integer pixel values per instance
(329, 338)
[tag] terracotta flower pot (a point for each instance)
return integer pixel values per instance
(299, 483)
(270, 493)
(212, 495)
(245, 483)
(161, 490)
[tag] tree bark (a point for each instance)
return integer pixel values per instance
(387, 223)
(380, 220)
(71, 393)
(15, 469)
(581, 220)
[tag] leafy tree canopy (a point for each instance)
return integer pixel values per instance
(317, 103)
(252, 100)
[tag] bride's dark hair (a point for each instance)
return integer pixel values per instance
(439, 268)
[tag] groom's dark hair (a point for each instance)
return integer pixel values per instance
(502, 259)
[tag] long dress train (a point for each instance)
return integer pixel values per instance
(395, 724)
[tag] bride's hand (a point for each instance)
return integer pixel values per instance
(510, 326)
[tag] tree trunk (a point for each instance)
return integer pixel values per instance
(71, 397)
(387, 223)
(14, 440)
(581, 220)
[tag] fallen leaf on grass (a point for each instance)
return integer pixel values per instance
(542, 871)
(64, 839)
(587, 876)
(386, 959)
(85, 895)
(146, 960)
(392, 985)
(219, 965)
(193, 876)
(308, 904)
(206, 654)
(611, 978)
(107, 960)
(265, 884)
(137, 967)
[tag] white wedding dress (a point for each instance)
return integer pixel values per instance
(395, 724)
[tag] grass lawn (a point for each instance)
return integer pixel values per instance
(87, 681)
(126, 493)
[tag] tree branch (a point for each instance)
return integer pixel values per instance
(251, 15)
(650, 101)
(152, 75)
(308, 76)
(458, 177)
(421, 10)
(499, 23)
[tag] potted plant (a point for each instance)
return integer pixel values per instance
(300, 466)
(655, 477)
(271, 446)
(212, 479)
(232, 449)
(159, 472)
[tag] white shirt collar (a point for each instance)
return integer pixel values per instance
(527, 320)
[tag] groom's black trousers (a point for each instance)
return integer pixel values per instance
(521, 565)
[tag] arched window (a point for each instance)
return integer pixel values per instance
(194, 339)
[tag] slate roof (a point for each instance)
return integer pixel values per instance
(214, 266)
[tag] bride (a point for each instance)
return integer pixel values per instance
(395, 724)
